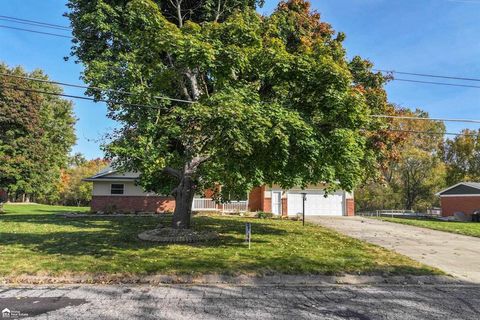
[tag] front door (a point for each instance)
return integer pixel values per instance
(276, 202)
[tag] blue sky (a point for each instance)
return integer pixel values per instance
(423, 36)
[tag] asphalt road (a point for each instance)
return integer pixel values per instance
(244, 302)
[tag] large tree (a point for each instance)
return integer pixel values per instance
(462, 157)
(267, 100)
(36, 134)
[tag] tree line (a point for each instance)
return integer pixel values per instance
(36, 137)
(423, 162)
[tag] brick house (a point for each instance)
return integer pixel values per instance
(117, 191)
(462, 197)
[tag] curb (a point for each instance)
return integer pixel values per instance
(246, 280)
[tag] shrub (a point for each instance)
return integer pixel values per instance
(264, 215)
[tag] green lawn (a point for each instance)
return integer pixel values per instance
(466, 228)
(34, 241)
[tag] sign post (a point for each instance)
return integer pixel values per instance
(248, 233)
(304, 198)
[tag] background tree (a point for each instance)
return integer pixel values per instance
(273, 99)
(462, 157)
(72, 190)
(36, 135)
(414, 172)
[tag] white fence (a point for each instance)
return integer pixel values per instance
(207, 204)
(203, 204)
(235, 206)
(400, 213)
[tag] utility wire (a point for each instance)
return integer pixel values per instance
(156, 107)
(46, 24)
(66, 28)
(76, 97)
(424, 119)
(35, 24)
(438, 83)
(428, 132)
(191, 102)
(426, 75)
(35, 31)
(89, 87)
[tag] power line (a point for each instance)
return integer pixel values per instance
(33, 23)
(425, 119)
(191, 102)
(438, 83)
(156, 107)
(75, 96)
(35, 31)
(428, 132)
(427, 75)
(89, 87)
(46, 24)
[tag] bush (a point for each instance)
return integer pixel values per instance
(264, 215)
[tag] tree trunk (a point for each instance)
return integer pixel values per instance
(184, 194)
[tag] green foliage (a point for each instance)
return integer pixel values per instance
(274, 99)
(36, 135)
(72, 190)
(264, 215)
(411, 179)
(462, 157)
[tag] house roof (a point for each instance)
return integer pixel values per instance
(462, 188)
(111, 174)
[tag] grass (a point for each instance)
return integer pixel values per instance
(34, 241)
(465, 228)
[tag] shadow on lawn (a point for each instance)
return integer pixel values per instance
(106, 236)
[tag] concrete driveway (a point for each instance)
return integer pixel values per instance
(455, 254)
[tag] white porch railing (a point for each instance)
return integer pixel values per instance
(203, 204)
(234, 206)
(207, 204)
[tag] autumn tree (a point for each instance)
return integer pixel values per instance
(36, 134)
(415, 170)
(72, 189)
(266, 100)
(462, 157)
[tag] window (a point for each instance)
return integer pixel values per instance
(117, 189)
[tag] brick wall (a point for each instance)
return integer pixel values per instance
(350, 207)
(467, 205)
(284, 207)
(130, 204)
(255, 199)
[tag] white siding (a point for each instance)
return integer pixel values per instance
(102, 188)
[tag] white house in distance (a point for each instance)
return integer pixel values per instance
(117, 191)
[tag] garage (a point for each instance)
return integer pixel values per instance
(316, 204)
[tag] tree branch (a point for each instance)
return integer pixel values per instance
(173, 172)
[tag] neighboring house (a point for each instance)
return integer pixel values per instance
(462, 197)
(117, 191)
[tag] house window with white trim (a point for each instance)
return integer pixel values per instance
(117, 188)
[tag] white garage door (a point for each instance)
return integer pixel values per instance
(316, 204)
